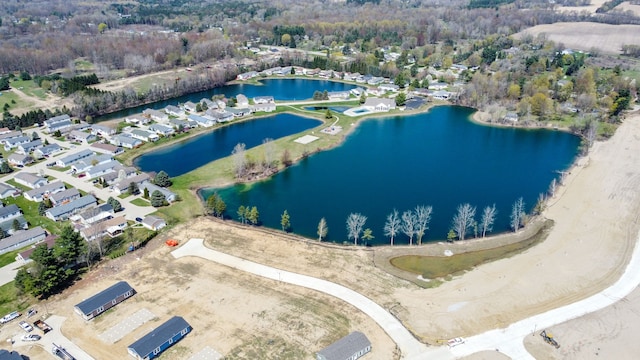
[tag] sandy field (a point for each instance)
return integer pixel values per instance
(626, 6)
(586, 36)
(245, 317)
(595, 4)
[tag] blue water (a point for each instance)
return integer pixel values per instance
(439, 159)
(280, 89)
(338, 109)
(190, 154)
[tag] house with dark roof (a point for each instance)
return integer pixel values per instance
(104, 300)
(25, 256)
(22, 239)
(350, 347)
(159, 339)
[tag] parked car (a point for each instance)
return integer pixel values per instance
(5, 319)
(139, 219)
(455, 342)
(25, 326)
(31, 337)
(31, 312)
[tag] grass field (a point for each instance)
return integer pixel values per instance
(30, 211)
(140, 202)
(30, 88)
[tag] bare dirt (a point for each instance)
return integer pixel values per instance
(243, 316)
(587, 36)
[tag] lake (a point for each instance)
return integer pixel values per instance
(280, 89)
(190, 154)
(439, 159)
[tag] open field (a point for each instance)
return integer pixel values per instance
(142, 83)
(587, 36)
(591, 8)
(626, 6)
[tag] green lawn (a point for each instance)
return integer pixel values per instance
(8, 258)
(30, 88)
(30, 210)
(140, 202)
(14, 101)
(10, 300)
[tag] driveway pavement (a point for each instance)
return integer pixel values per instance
(8, 272)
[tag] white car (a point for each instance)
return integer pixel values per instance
(455, 342)
(25, 326)
(10, 316)
(31, 337)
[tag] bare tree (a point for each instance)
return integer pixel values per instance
(409, 224)
(463, 220)
(269, 153)
(355, 224)
(239, 160)
(517, 214)
(488, 217)
(553, 187)
(592, 132)
(392, 225)
(423, 217)
(323, 229)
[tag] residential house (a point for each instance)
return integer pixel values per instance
(357, 91)
(81, 126)
(102, 169)
(268, 107)
(125, 141)
(94, 214)
(9, 135)
(21, 239)
(25, 256)
(204, 121)
(459, 67)
(7, 191)
(511, 117)
(209, 104)
(178, 124)
(160, 129)
(28, 147)
(438, 86)
(64, 197)
(63, 212)
(389, 87)
(4, 130)
(19, 159)
(375, 80)
(159, 339)
(47, 151)
(168, 195)
(375, 92)
(219, 116)
(441, 95)
(81, 136)
(144, 135)
(379, 104)
(263, 100)
(174, 110)
(136, 120)
(122, 186)
(121, 173)
(156, 115)
(153, 222)
(338, 95)
(111, 227)
(74, 158)
(247, 75)
(30, 180)
(12, 143)
(190, 106)
(241, 101)
(61, 123)
(350, 347)
(107, 149)
(8, 216)
(104, 300)
(239, 112)
(102, 130)
(45, 191)
(85, 164)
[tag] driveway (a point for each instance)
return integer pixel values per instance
(8, 272)
(408, 345)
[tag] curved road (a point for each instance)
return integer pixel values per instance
(409, 346)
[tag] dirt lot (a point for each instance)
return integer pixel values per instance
(587, 36)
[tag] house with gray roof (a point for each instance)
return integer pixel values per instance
(379, 104)
(107, 149)
(21, 239)
(9, 135)
(82, 136)
(7, 191)
(350, 347)
(102, 130)
(19, 159)
(204, 121)
(63, 212)
(338, 95)
(29, 147)
(173, 110)
(242, 101)
(12, 143)
(189, 106)
(111, 227)
(74, 158)
(41, 193)
(85, 164)
(102, 169)
(64, 197)
(121, 173)
(47, 150)
(168, 194)
(104, 300)
(161, 129)
(219, 115)
(156, 115)
(61, 122)
(30, 180)
(267, 107)
(144, 135)
(122, 186)
(9, 212)
(263, 100)
(125, 141)
(95, 214)
(154, 223)
(159, 339)
(136, 120)
(16, 224)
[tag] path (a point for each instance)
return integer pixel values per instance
(409, 346)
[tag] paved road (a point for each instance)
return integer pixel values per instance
(408, 345)
(8, 272)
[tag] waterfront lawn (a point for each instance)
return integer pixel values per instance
(437, 267)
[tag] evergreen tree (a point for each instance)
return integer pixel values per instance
(5, 168)
(117, 206)
(133, 188)
(42, 208)
(158, 199)
(285, 221)
(162, 179)
(254, 216)
(146, 193)
(16, 225)
(241, 214)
